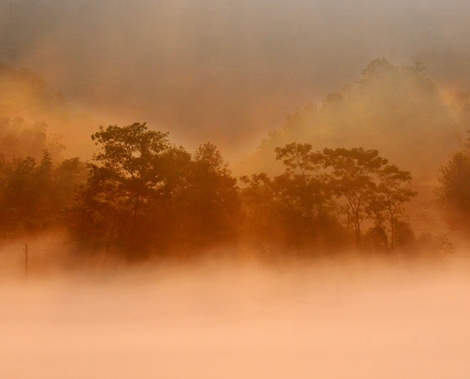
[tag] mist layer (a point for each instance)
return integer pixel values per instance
(327, 321)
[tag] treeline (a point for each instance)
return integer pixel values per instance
(323, 199)
(34, 117)
(36, 194)
(391, 108)
(141, 196)
(145, 196)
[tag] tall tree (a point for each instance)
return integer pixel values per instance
(19, 197)
(125, 205)
(454, 192)
(305, 198)
(352, 182)
(317, 188)
(392, 195)
(293, 210)
(211, 200)
(262, 221)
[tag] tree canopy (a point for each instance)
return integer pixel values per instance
(454, 190)
(145, 195)
(323, 194)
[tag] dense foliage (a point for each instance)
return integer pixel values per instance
(323, 198)
(35, 196)
(454, 192)
(141, 196)
(145, 196)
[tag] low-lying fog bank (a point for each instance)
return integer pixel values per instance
(328, 320)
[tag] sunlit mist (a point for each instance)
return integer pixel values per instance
(231, 70)
(325, 321)
(234, 189)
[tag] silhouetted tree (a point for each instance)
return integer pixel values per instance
(352, 182)
(262, 221)
(304, 197)
(293, 210)
(305, 203)
(145, 196)
(126, 203)
(454, 192)
(69, 175)
(210, 202)
(391, 197)
(20, 196)
(32, 196)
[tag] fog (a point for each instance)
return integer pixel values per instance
(325, 320)
(226, 71)
(230, 72)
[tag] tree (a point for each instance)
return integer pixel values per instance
(292, 210)
(454, 192)
(377, 70)
(125, 205)
(392, 196)
(306, 202)
(262, 224)
(304, 198)
(44, 182)
(19, 196)
(69, 175)
(210, 202)
(32, 196)
(299, 156)
(352, 182)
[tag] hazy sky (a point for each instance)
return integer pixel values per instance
(225, 71)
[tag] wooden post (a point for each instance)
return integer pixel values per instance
(26, 259)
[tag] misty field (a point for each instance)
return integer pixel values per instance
(234, 189)
(324, 320)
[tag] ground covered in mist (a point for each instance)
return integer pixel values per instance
(225, 320)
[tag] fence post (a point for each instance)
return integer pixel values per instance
(26, 259)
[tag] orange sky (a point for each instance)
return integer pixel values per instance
(225, 71)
